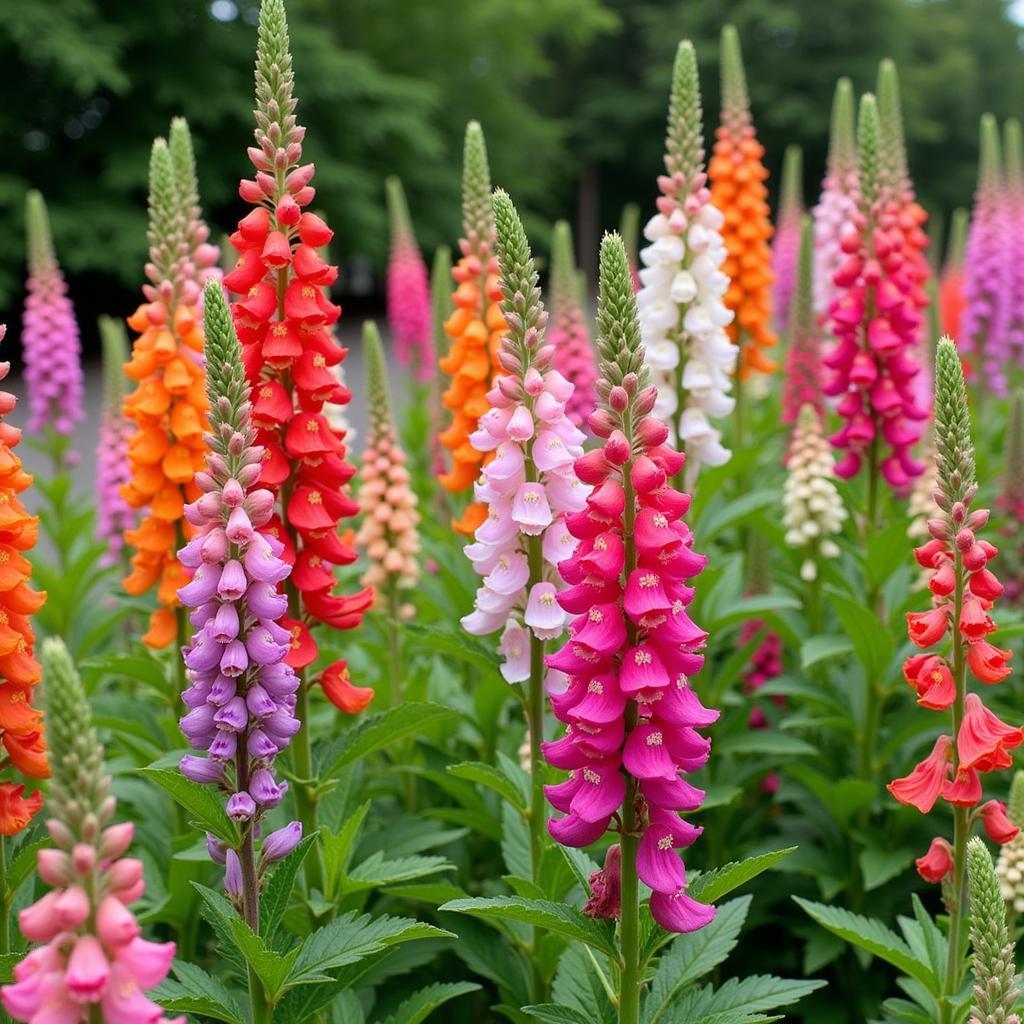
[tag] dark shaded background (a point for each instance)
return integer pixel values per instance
(571, 94)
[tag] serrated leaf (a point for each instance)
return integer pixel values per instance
(554, 917)
(23, 864)
(555, 1014)
(200, 802)
(490, 777)
(580, 985)
(421, 1004)
(871, 935)
(375, 871)
(192, 990)
(713, 885)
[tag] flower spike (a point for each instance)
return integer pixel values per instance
(786, 244)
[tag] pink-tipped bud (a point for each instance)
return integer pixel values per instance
(38, 922)
(939, 529)
(651, 433)
(958, 513)
(54, 867)
(250, 191)
(115, 923)
(975, 558)
(646, 400)
(977, 519)
(83, 858)
(125, 873)
(116, 839)
(71, 907)
(964, 539)
(288, 210)
(618, 399)
(233, 494)
(602, 422)
(617, 448)
(299, 178)
(533, 382)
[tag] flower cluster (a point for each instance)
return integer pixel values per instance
(813, 511)
(283, 316)
(528, 487)
(683, 317)
(241, 697)
(964, 590)
(387, 502)
(738, 189)
(53, 360)
(408, 290)
(836, 212)
(631, 715)
(1011, 309)
(872, 367)
(786, 243)
(168, 405)
(765, 664)
(22, 728)
(476, 328)
(114, 516)
(93, 963)
(574, 354)
(801, 383)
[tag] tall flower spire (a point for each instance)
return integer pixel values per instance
(631, 713)
(574, 355)
(802, 380)
(984, 295)
(168, 405)
(408, 289)
(21, 724)
(1011, 327)
(837, 211)
(1011, 502)
(92, 963)
(738, 175)
(786, 244)
(113, 470)
(198, 259)
(53, 358)
(951, 283)
(475, 328)
(682, 313)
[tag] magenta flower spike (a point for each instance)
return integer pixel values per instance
(53, 359)
(801, 383)
(409, 302)
(786, 241)
(1011, 308)
(631, 714)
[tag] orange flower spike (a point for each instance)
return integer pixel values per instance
(168, 408)
(737, 175)
(475, 328)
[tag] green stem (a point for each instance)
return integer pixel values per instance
(396, 684)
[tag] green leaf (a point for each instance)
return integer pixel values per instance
(8, 961)
(555, 917)
(338, 848)
(758, 993)
(886, 552)
(843, 798)
(872, 641)
(580, 985)
(455, 645)
(200, 802)
(421, 1004)
(375, 871)
(817, 649)
(194, 991)
(713, 885)
(878, 864)
(382, 730)
(24, 864)
(691, 957)
(764, 741)
(278, 890)
(871, 935)
(719, 517)
(555, 1014)
(489, 776)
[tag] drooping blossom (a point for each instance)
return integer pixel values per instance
(873, 365)
(801, 383)
(167, 408)
(951, 281)
(1011, 307)
(241, 694)
(964, 590)
(813, 510)
(631, 714)
(1011, 504)
(408, 290)
(528, 486)
(50, 341)
(738, 189)
(837, 210)
(786, 243)
(574, 353)
(114, 516)
(21, 724)
(89, 960)
(388, 533)
(475, 328)
(683, 317)
(284, 318)
(981, 325)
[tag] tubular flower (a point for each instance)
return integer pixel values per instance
(90, 961)
(1011, 309)
(983, 320)
(283, 317)
(476, 328)
(951, 282)
(408, 290)
(802, 380)
(52, 350)
(113, 471)
(964, 590)
(1011, 504)
(682, 313)
(738, 189)
(631, 713)
(836, 214)
(1010, 865)
(873, 366)
(528, 487)
(813, 511)
(168, 406)
(241, 697)
(21, 724)
(387, 503)
(786, 243)
(574, 355)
